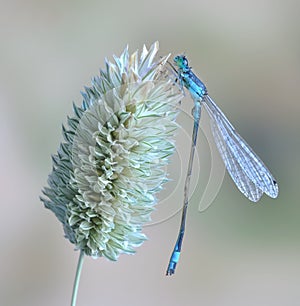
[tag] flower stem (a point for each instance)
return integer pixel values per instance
(77, 278)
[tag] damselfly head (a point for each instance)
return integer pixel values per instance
(181, 61)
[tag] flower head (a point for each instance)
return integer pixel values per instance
(106, 173)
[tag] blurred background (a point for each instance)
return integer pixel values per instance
(234, 253)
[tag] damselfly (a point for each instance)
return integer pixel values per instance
(246, 169)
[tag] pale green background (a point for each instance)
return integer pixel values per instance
(236, 253)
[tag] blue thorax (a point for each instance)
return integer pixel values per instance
(188, 79)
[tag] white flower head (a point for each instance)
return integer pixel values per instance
(106, 174)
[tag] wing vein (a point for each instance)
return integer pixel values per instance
(246, 169)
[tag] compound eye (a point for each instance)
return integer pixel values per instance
(185, 61)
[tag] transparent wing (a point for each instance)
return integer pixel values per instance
(246, 169)
(245, 185)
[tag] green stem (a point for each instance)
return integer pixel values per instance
(77, 278)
